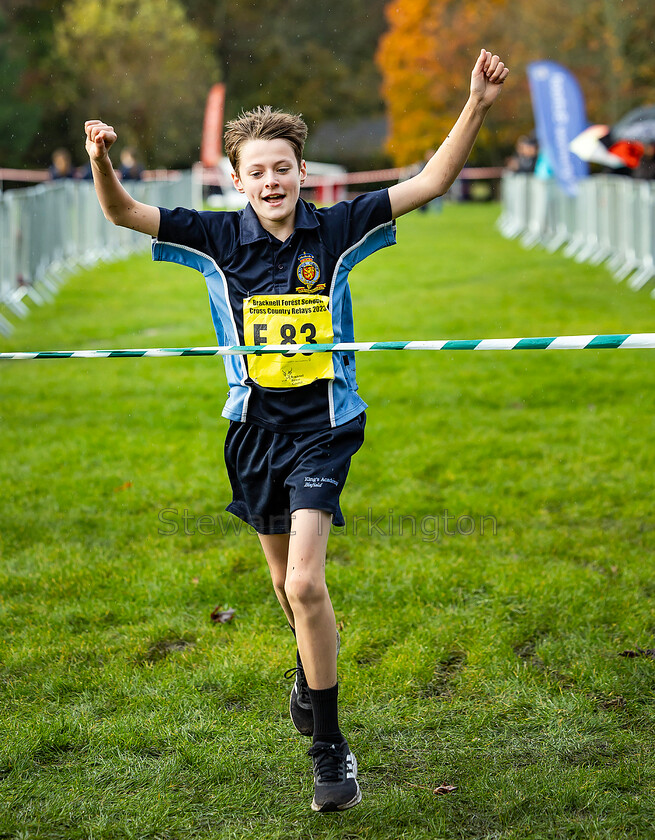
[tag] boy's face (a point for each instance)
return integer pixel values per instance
(270, 178)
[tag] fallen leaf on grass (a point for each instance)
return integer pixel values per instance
(220, 616)
(442, 789)
(126, 485)
(638, 652)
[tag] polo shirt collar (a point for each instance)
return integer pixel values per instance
(250, 229)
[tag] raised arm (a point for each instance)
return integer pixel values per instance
(445, 165)
(117, 204)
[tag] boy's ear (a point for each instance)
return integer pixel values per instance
(237, 182)
(303, 170)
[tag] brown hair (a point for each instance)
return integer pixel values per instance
(263, 123)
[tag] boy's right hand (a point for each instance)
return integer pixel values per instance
(118, 205)
(100, 137)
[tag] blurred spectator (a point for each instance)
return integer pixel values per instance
(645, 169)
(524, 158)
(62, 166)
(130, 168)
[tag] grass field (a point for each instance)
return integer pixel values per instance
(497, 560)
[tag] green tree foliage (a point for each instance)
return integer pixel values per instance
(298, 54)
(19, 119)
(28, 83)
(312, 57)
(139, 64)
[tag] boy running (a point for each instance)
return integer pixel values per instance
(277, 273)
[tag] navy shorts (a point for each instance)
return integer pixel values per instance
(273, 474)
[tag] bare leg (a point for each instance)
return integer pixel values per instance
(276, 551)
(297, 566)
(307, 595)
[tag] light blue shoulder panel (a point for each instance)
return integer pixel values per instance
(222, 318)
(344, 405)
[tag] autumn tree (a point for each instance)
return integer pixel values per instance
(426, 58)
(139, 64)
(428, 51)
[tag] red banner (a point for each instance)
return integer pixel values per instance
(212, 128)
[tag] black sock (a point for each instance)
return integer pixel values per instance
(326, 715)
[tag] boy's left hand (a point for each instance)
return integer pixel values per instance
(487, 78)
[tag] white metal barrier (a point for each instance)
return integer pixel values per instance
(612, 219)
(53, 229)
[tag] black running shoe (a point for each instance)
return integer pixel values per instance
(335, 777)
(300, 706)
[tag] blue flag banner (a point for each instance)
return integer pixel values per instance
(559, 115)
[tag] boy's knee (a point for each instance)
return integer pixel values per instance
(304, 591)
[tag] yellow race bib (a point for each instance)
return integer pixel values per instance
(288, 319)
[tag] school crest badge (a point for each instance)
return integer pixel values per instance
(308, 273)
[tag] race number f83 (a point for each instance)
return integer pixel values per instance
(288, 319)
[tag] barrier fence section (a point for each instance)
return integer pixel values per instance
(611, 219)
(52, 229)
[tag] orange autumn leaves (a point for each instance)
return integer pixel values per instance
(430, 46)
(426, 58)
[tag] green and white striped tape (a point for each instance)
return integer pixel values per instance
(626, 341)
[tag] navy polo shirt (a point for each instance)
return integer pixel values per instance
(239, 259)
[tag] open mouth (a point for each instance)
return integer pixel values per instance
(274, 199)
